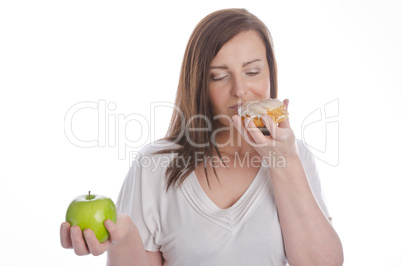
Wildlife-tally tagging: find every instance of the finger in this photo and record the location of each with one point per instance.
(111, 227)
(95, 248)
(286, 102)
(236, 119)
(286, 122)
(270, 125)
(256, 134)
(77, 240)
(242, 129)
(120, 229)
(65, 239)
(277, 133)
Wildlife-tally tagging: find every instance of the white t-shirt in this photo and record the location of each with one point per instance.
(189, 229)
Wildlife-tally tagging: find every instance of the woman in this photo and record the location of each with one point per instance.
(216, 191)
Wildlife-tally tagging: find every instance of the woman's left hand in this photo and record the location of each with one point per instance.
(281, 142)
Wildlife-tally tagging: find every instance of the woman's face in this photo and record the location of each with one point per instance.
(238, 73)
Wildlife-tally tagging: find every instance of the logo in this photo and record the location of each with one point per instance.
(320, 133)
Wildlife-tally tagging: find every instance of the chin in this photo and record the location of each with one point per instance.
(225, 121)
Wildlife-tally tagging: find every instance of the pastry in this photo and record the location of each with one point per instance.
(254, 109)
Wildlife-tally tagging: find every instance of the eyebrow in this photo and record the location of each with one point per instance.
(245, 64)
(249, 62)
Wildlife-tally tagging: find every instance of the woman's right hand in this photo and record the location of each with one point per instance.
(73, 238)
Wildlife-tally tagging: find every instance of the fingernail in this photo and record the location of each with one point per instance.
(107, 222)
(63, 227)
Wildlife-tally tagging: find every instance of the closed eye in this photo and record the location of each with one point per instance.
(218, 77)
(252, 73)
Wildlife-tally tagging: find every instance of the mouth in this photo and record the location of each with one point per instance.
(236, 106)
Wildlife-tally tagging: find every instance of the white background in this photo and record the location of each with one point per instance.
(56, 54)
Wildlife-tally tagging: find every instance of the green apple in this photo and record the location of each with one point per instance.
(91, 211)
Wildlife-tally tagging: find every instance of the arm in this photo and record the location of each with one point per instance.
(133, 195)
(124, 246)
(155, 258)
(308, 236)
(132, 253)
(129, 250)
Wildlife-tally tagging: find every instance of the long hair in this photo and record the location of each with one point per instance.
(192, 107)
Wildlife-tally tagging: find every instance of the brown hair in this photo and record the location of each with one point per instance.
(192, 104)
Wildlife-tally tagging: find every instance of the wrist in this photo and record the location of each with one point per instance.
(290, 164)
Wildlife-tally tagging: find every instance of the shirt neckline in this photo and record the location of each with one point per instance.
(230, 217)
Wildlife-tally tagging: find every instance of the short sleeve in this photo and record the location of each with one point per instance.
(311, 171)
(137, 199)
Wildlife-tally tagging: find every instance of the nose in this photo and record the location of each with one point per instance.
(239, 87)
